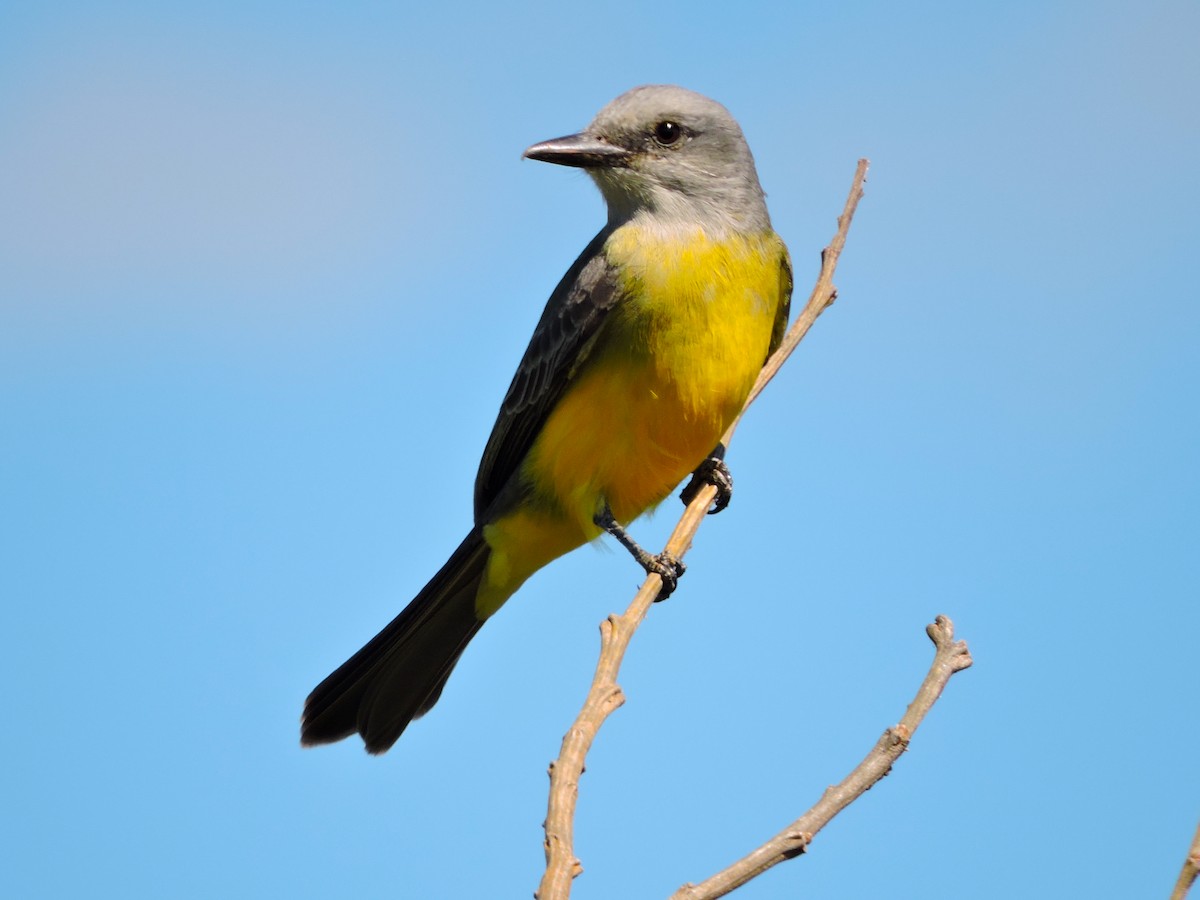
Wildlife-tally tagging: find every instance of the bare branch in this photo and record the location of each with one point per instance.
(950, 656)
(605, 695)
(823, 294)
(1191, 868)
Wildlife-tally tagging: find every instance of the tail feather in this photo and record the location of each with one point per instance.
(400, 673)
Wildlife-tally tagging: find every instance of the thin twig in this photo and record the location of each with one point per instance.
(951, 656)
(605, 695)
(823, 294)
(1191, 868)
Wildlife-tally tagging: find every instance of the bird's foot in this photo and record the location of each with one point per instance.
(712, 471)
(669, 568)
(665, 565)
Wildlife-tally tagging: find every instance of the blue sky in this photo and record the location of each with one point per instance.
(265, 271)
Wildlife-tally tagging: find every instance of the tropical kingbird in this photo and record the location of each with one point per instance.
(643, 356)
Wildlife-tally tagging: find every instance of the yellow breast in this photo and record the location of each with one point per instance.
(671, 370)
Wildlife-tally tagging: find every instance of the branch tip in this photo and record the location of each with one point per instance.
(941, 631)
(874, 767)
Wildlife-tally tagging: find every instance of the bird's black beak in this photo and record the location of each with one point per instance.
(582, 150)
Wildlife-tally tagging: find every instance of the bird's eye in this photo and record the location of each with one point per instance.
(667, 132)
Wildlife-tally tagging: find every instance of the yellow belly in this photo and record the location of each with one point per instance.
(671, 370)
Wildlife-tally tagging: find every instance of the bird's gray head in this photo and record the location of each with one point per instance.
(669, 156)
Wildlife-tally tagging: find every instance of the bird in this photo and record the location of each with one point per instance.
(644, 354)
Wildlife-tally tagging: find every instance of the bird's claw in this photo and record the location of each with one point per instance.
(712, 471)
(669, 568)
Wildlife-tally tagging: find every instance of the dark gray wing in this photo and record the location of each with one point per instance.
(785, 304)
(560, 342)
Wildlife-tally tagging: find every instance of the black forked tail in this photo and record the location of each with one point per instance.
(400, 673)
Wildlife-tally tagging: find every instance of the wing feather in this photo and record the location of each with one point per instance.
(563, 336)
